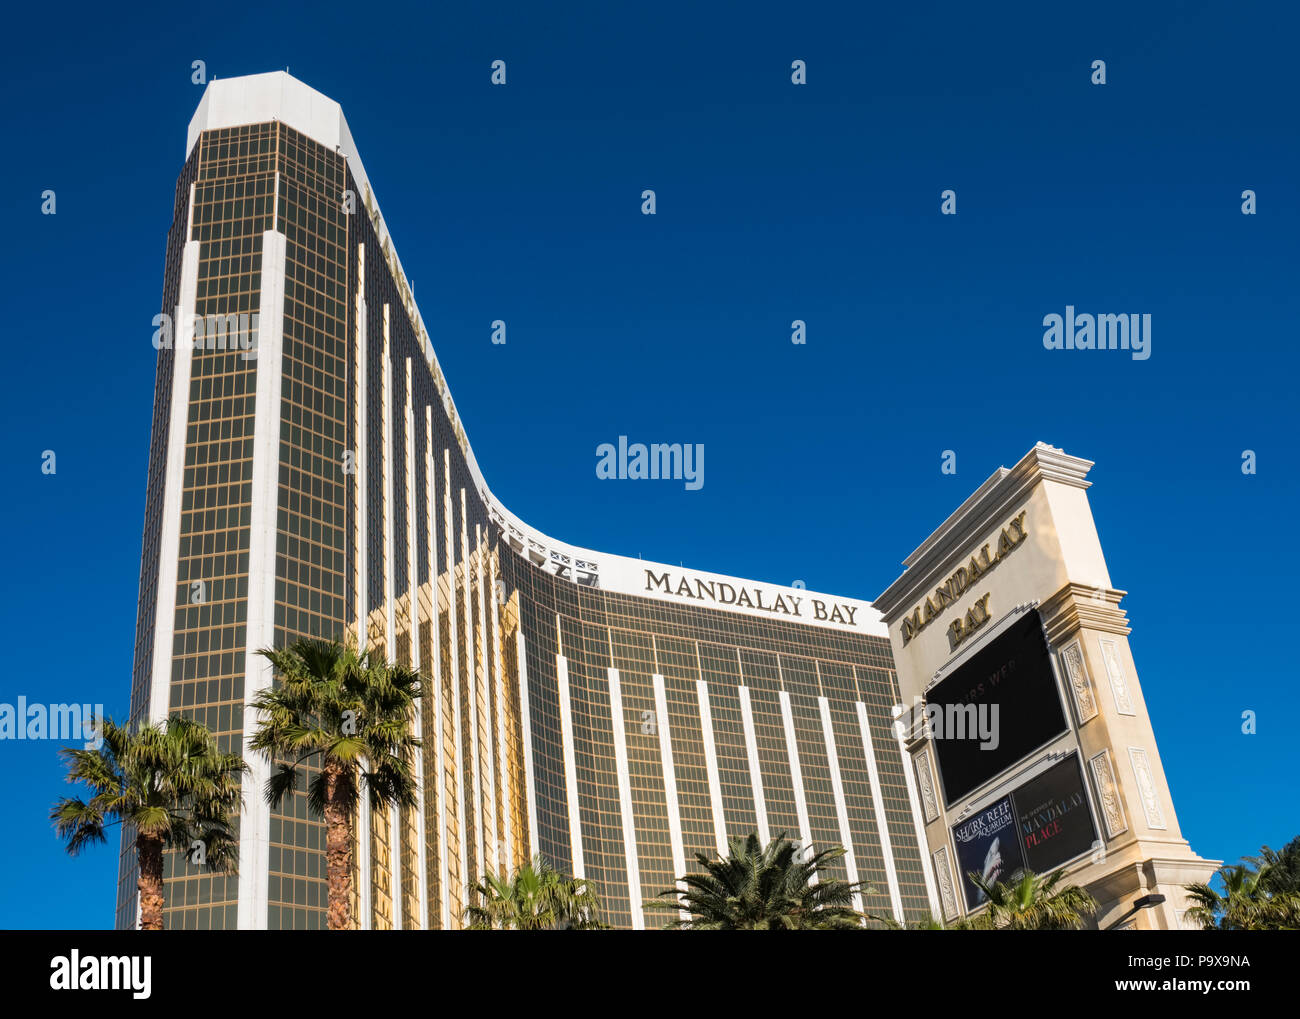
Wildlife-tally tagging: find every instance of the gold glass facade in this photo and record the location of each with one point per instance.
(651, 643)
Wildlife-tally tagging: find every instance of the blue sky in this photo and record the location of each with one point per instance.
(775, 203)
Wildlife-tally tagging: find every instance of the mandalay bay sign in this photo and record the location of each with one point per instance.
(947, 593)
(752, 597)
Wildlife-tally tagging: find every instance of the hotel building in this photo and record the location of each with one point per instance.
(309, 476)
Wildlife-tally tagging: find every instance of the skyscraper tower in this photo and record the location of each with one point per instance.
(309, 476)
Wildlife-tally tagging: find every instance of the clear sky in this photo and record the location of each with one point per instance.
(774, 203)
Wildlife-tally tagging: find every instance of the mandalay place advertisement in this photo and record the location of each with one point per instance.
(1041, 825)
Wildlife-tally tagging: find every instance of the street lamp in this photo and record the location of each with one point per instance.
(1146, 902)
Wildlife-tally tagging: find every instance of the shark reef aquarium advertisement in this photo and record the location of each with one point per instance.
(1041, 825)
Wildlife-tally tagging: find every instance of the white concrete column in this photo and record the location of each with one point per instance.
(365, 901)
(364, 875)
(361, 488)
(386, 433)
(255, 822)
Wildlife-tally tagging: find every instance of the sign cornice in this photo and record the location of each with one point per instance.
(1005, 488)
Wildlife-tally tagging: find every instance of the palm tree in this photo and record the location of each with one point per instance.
(351, 715)
(167, 783)
(1247, 902)
(1283, 875)
(536, 898)
(763, 888)
(1032, 903)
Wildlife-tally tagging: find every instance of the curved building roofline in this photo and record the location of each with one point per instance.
(277, 96)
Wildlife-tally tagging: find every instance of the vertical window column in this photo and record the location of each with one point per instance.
(474, 821)
(526, 721)
(483, 698)
(570, 766)
(751, 751)
(711, 763)
(506, 800)
(255, 823)
(796, 775)
(627, 824)
(878, 803)
(435, 667)
(931, 892)
(393, 862)
(841, 807)
(454, 678)
(670, 780)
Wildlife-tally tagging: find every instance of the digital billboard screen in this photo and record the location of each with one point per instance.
(994, 709)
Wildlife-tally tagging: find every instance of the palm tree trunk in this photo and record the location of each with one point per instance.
(149, 860)
(338, 851)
